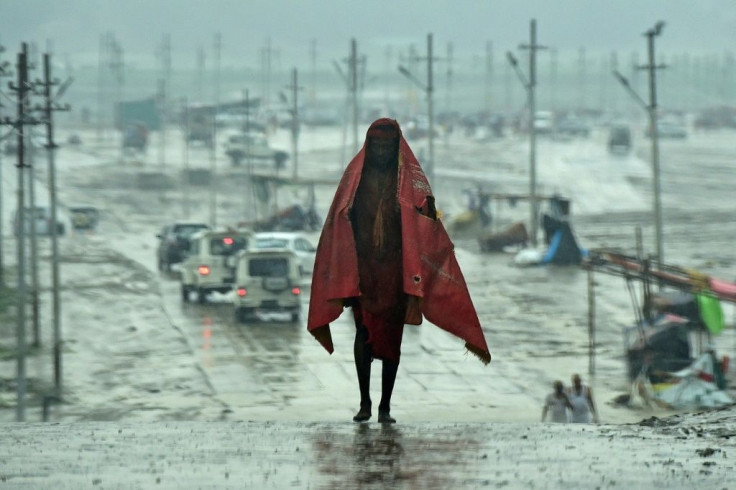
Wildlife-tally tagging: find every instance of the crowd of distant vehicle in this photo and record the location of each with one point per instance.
(258, 272)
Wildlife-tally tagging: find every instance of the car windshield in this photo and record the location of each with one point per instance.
(227, 245)
(268, 267)
(271, 243)
(37, 212)
(188, 230)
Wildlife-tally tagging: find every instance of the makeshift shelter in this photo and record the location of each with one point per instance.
(515, 234)
(700, 385)
(659, 348)
(562, 247)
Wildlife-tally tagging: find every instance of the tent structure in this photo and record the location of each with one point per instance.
(658, 348)
(562, 248)
(659, 360)
(700, 385)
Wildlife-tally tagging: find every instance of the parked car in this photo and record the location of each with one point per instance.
(200, 128)
(619, 139)
(267, 280)
(668, 129)
(572, 126)
(296, 242)
(84, 217)
(135, 138)
(544, 122)
(210, 264)
(174, 243)
(40, 216)
(244, 146)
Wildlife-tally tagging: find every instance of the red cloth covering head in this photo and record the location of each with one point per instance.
(388, 130)
(432, 278)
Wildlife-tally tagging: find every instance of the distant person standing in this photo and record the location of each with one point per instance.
(557, 404)
(581, 398)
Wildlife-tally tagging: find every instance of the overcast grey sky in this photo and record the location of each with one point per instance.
(74, 26)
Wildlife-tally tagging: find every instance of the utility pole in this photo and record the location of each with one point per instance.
(351, 80)
(553, 79)
(651, 109)
(294, 123)
(165, 58)
(185, 149)
(117, 68)
(116, 65)
(213, 148)
(101, 83)
(3, 73)
(387, 87)
(33, 232)
(533, 47)
(267, 53)
(489, 76)
(448, 94)
(430, 108)
(22, 90)
(313, 88)
(201, 64)
(582, 79)
(508, 95)
(49, 108)
(253, 208)
(429, 90)
(654, 131)
(613, 102)
(353, 64)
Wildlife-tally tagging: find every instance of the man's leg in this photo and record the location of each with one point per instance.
(388, 377)
(363, 358)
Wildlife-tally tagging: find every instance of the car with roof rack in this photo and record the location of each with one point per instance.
(210, 265)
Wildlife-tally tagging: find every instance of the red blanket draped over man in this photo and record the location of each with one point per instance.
(432, 279)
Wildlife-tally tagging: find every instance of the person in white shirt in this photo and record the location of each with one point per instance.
(557, 404)
(581, 398)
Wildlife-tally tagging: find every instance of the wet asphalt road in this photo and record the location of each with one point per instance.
(285, 404)
(173, 455)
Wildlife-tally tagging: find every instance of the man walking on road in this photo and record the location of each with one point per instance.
(581, 398)
(384, 252)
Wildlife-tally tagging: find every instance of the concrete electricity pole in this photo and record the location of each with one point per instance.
(353, 65)
(50, 107)
(294, 123)
(429, 90)
(3, 73)
(22, 91)
(351, 80)
(213, 148)
(654, 131)
(651, 109)
(530, 85)
(165, 58)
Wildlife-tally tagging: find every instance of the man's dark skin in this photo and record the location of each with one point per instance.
(376, 221)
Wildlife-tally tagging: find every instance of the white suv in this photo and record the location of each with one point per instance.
(210, 263)
(294, 241)
(267, 280)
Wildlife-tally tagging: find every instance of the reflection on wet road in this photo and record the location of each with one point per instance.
(252, 365)
(390, 456)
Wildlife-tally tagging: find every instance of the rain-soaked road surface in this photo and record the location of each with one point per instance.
(263, 405)
(209, 455)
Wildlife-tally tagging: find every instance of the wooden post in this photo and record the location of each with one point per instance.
(591, 323)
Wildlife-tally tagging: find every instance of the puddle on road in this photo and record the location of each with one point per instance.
(387, 455)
